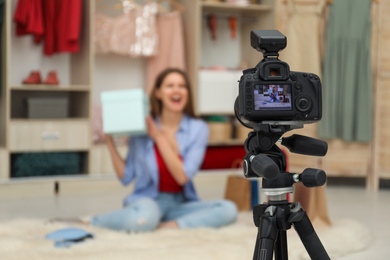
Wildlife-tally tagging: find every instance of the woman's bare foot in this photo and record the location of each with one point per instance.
(170, 224)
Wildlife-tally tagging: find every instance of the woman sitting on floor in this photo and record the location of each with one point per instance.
(163, 163)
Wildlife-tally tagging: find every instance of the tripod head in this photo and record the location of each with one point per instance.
(265, 159)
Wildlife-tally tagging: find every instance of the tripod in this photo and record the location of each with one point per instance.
(275, 217)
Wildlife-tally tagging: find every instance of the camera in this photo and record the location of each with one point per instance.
(273, 100)
(271, 92)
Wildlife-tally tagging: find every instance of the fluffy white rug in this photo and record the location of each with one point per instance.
(24, 239)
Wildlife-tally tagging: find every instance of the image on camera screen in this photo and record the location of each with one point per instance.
(272, 97)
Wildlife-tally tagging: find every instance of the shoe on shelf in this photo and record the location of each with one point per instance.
(33, 78)
(52, 78)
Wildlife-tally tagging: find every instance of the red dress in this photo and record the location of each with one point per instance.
(67, 25)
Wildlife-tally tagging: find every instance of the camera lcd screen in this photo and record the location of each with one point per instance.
(272, 97)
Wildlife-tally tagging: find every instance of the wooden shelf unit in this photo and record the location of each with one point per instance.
(20, 134)
(262, 17)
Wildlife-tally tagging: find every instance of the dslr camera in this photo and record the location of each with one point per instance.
(271, 92)
(273, 100)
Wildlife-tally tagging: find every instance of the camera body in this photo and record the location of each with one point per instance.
(271, 92)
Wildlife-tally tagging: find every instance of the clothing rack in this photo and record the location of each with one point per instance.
(302, 2)
(137, 4)
(174, 4)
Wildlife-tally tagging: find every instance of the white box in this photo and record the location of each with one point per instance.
(217, 91)
(124, 112)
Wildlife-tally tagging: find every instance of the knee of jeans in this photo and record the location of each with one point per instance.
(145, 215)
(229, 209)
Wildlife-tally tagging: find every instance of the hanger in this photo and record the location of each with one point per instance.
(119, 6)
(331, 1)
(160, 7)
(174, 4)
(310, 2)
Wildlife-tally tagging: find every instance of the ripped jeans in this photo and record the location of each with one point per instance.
(146, 214)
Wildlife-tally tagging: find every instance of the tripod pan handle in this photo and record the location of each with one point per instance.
(264, 166)
(311, 177)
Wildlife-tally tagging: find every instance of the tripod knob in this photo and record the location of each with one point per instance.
(311, 177)
(260, 166)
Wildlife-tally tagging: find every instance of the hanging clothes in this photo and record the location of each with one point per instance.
(57, 22)
(171, 51)
(49, 8)
(103, 30)
(304, 36)
(302, 23)
(131, 34)
(67, 25)
(29, 18)
(347, 80)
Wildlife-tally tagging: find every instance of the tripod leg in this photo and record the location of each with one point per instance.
(281, 252)
(257, 246)
(266, 235)
(306, 233)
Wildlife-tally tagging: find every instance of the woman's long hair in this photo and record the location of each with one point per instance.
(156, 105)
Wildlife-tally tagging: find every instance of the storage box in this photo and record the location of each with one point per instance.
(53, 107)
(220, 86)
(124, 112)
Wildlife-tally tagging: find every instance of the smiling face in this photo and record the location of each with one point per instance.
(173, 93)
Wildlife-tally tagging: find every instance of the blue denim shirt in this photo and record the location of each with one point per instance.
(192, 137)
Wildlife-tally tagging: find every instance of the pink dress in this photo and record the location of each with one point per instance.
(171, 52)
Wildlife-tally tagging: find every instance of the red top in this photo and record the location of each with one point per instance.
(167, 182)
(67, 26)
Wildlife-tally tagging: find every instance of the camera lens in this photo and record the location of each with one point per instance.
(303, 104)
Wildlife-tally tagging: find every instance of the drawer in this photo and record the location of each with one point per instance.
(45, 135)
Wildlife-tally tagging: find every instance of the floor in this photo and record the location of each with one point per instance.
(345, 200)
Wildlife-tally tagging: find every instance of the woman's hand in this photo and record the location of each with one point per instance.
(155, 133)
(152, 128)
(108, 139)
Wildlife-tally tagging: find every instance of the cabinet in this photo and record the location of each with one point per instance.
(21, 133)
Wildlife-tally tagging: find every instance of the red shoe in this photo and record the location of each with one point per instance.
(52, 78)
(33, 78)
